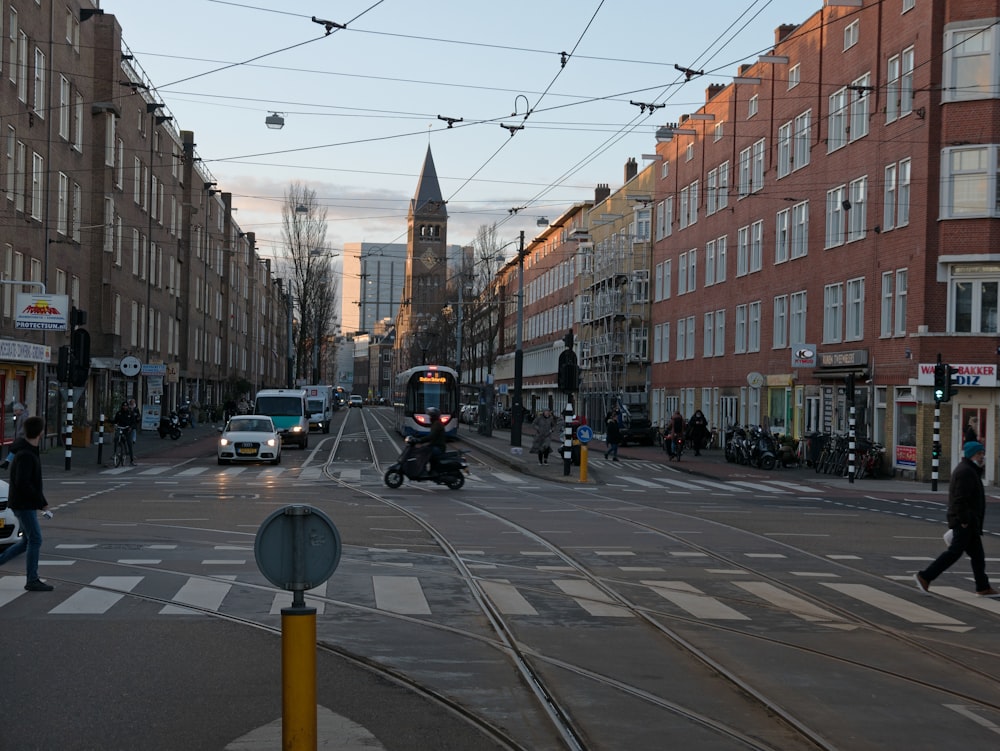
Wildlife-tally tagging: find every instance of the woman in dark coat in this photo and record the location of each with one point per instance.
(698, 431)
(614, 435)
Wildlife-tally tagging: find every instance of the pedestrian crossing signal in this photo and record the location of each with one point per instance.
(941, 391)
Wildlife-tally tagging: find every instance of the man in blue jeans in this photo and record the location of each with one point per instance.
(26, 498)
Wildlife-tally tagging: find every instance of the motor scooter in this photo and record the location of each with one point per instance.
(184, 415)
(170, 426)
(450, 468)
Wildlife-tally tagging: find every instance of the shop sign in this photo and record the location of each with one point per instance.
(42, 312)
(804, 356)
(13, 351)
(851, 358)
(969, 374)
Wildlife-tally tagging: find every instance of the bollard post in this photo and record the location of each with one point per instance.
(567, 438)
(69, 428)
(100, 440)
(298, 676)
(583, 462)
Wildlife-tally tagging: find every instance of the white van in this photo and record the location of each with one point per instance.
(287, 408)
(319, 400)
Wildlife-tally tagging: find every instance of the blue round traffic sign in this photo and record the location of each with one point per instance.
(585, 434)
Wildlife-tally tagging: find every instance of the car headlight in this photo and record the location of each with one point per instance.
(297, 429)
(271, 442)
(223, 441)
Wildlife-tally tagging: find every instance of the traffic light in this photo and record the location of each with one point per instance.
(568, 378)
(942, 392)
(849, 386)
(936, 450)
(63, 365)
(80, 366)
(951, 383)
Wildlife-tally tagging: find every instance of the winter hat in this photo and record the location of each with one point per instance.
(972, 448)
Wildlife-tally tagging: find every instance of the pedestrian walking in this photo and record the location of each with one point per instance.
(971, 430)
(545, 426)
(20, 415)
(26, 498)
(966, 511)
(613, 435)
(136, 419)
(697, 430)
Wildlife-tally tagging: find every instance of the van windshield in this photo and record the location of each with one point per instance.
(315, 405)
(279, 406)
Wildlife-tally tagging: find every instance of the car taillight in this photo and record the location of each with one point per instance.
(445, 419)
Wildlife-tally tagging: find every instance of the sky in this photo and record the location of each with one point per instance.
(363, 103)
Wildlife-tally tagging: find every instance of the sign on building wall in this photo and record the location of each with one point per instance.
(37, 312)
(969, 374)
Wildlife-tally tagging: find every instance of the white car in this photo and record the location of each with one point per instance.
(10, 527)
(357, 401)
(249, 438)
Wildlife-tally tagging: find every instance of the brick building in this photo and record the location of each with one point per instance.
(834, 211)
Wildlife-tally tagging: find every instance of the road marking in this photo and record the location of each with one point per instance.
(192, 471)
(759, 486)
(506, 597)
(694, 601)
(797, 606)
(201, 593)
(893, 605)
(591, 599)
(11, 587)
(91, 601)
(640, 482)
(400, 594)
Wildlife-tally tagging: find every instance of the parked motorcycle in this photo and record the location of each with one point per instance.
(737, 446)
(184, 415)
(763, 448)
(449, 470)
(170, 426)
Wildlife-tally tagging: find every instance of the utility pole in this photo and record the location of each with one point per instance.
(517, 411)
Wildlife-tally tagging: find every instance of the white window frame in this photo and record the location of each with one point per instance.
(797, 316)
(861, 97)
(756, 246)
(977, 184)
(902, 289)
(794, 75)
(836, 136)
(889, 197)
(753, 326)
(740, 344)
(782, 235)
(833, 313)
(784, 147)
(975, 42)
(835, 234)
(888, 301)
(802, 137)
(800, 230)
(857, 216)
(720, 258)
(752, 106)
(720, 333)
(854, 310)
(851, 34)
(743, 251)
(779, 334)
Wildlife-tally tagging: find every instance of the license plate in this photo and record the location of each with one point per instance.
(250, 451)
(2, 522)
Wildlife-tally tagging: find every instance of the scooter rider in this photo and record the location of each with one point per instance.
(436, 438)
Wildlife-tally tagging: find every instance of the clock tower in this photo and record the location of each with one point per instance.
(425, 285)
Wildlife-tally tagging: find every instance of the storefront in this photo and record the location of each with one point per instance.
(20, 363)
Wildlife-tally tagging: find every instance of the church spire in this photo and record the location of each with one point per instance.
(428, 190)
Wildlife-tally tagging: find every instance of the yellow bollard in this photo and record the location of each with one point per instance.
(298, 679)
(583, 462)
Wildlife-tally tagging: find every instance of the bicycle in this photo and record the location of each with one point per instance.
(118, 456)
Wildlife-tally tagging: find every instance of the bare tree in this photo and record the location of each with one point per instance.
(312, 281)
(482, 315)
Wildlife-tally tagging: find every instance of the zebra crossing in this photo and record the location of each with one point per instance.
(716, 598)
(628, 475)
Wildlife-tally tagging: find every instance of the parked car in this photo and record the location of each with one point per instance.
(250, 438)
(637, 428)
(10, 527)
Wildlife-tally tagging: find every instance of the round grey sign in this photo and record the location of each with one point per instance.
(130, 366)
(297, 548)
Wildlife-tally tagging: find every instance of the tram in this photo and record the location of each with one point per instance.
(422, 387)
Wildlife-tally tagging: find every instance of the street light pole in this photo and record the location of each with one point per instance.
(517, 412)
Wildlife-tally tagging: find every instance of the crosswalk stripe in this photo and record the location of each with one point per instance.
(694, 601)
(640, 482)
(591, 599)
(504, 477)
(351, 474)
(202, 593)
(679, 483)
(780, 598)
(796, 487)
(759, 486)
(90, 601)
(506, 597)
(11, 587)
(969, 598)
(893, 605)
(400, 594)
(192, 471)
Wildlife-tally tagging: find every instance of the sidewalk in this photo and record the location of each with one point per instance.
(711, 464)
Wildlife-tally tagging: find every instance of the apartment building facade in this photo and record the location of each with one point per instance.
(832, 212)
(107, 203)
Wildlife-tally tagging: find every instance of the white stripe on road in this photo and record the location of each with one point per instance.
(400, 594)
(506, 597)
(591, 599)
(96, 601)
(694, 601)
(797, 606)
(201, 593)
(893, 605)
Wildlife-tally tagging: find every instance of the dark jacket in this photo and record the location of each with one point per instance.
(698, 428)
(124, 418)
(436, 438)
(25, 490)
(614, 432)
(966, 498)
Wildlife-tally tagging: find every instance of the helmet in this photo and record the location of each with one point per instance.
(433, 412)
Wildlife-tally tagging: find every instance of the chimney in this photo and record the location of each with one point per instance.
(712, 90)
(745, 67)
(601, 192)
(782, 32)
(631, 168)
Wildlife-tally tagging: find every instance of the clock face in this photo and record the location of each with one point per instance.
(430, 260)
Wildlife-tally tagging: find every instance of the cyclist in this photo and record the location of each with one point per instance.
(124, 423)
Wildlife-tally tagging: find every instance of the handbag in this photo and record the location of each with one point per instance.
(949, 536)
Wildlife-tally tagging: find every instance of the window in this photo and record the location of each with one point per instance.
(797, 318)
(889, 198)
(800, 156)
(12, 38)
(746, 155)
(664, 218)
(899, 88)
(756, 246)
(717, 132)
(779, 337)
(688, 205)
(851, 32)
(794, 75)
(710, 263)
(752, 106)
(682, 339)
(711, 186)
(833, 313)
(37, 185)
(78, 123)
(800, 229)
(903, 198)
(62, 206)
(888, 303)
(854, 329)
(11, 166)
(784, 165)
(682, 275)
(22, 66)
(836, 136)
(861, 97)
(742, 251)
(692, 284)
(781, 235)
(689, 152)
(970, 62)
(973, 291)
(708, 346)
(720, 333)
(720, 259)
(722, 195)
(901, 289)
(969, 181)
(753, 327)
(758, 166)
(909, 5)
(740, 346)
(38, 101)
(690, 338)
(835, 216)
(857, 215)
(75, 212)
(72, 30)
(64, 108)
